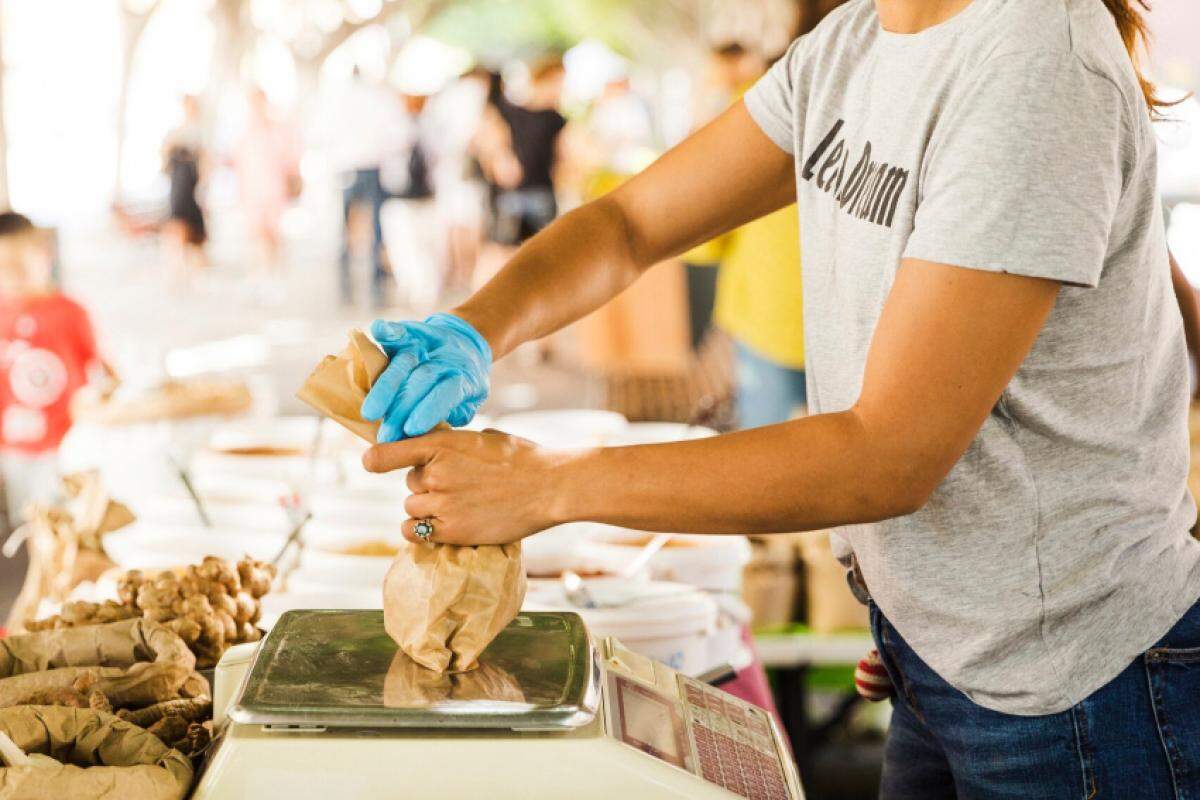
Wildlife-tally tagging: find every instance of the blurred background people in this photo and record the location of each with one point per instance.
(759, 304)
(455, 114)
(184, 162)
(732, 69)
(360, 130)
(520, 149)
(413, 233)
(266, 159)
(47, 350)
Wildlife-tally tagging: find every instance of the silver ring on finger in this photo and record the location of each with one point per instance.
(423, 530)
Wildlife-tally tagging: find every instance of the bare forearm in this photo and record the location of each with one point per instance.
(1185, 295)
(568, 270)
(808, 474)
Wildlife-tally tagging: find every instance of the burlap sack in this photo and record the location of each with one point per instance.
(442, 604)
(135, 662)
(410, 685)
(338, 385)
(104, 758)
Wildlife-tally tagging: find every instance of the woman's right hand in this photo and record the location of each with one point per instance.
(438, 372)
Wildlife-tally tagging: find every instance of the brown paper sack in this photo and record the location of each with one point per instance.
(409, 685)
(134, 662)
(338, 385)
(442, 604)
(104, 757)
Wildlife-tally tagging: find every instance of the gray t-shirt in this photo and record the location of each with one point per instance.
(1011, 138)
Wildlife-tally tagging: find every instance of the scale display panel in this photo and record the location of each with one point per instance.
(712, 734)
(327, 668)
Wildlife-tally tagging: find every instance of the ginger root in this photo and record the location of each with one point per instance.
(190, 709)
(211, 605)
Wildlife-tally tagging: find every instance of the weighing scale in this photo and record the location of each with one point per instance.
(326, 706)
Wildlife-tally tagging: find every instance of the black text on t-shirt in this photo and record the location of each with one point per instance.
(872, 189)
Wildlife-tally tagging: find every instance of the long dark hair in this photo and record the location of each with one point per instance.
(1136, 36)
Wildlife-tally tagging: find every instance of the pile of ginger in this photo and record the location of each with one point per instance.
(211, 605)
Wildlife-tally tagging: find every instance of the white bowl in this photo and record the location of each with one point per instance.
(323, 561)
(147, 545)
(274, 604)
(714, 563)
(565, 429)
(293, 433)
(179, 511)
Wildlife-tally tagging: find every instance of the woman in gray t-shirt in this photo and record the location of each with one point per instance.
(997, 375)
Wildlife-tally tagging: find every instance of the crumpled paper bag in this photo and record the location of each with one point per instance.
(93, 510)
(339, 384)
(134, 662)
(444, 604)
(64, 544)
(131, 763)
(410, 685)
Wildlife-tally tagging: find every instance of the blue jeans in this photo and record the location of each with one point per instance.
(1136, 737)
(363, 186)
(767, 393)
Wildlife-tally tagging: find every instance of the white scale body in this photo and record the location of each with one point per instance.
(325, 707)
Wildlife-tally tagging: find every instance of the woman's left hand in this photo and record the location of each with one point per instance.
(476, 488)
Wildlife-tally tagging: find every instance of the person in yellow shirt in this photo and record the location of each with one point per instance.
(759, 304)
(732, 70)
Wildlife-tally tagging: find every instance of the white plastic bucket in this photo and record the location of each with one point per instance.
(668, 622)
(565, 429)
(714, 563)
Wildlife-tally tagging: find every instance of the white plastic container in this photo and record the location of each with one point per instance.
(713, 563)
(668, 622)
(549, 553)
(147, 545)
(172, 510)
(325, 562)
(565, 429)
(379, 507)
(274, 449)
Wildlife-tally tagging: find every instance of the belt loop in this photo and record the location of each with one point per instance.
(856, 582)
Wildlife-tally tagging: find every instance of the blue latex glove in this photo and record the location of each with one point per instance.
(438, 371)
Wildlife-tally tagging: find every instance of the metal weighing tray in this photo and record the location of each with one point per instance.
(340, 669)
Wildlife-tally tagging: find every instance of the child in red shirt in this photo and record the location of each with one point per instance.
(46, 351)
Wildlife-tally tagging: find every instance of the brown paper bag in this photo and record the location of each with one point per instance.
(105, 757)
(443, 604)
(409, 685)
(134, 662)
(338, 385)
